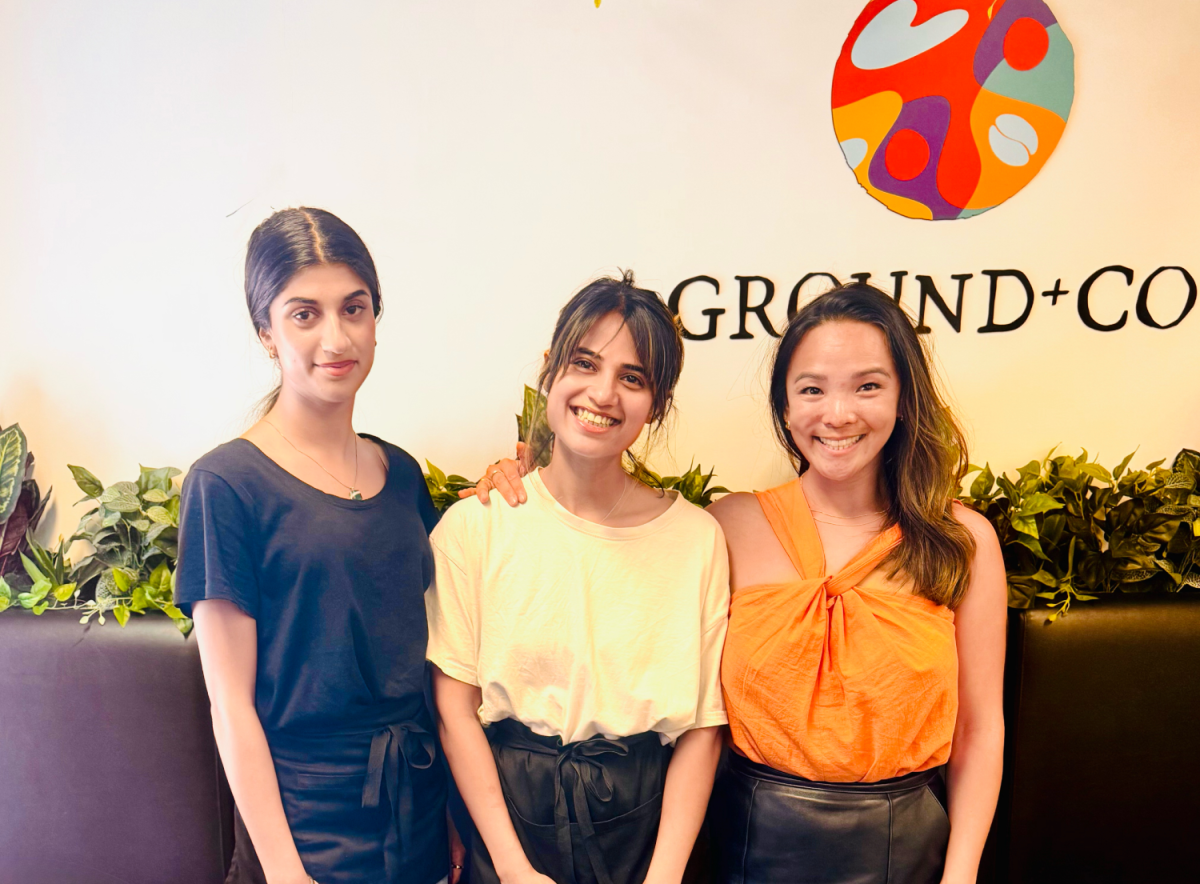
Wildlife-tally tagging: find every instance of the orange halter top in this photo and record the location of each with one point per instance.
(829, 680)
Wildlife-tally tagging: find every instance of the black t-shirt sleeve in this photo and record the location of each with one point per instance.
(215, 559)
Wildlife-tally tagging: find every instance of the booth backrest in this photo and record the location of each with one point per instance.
(108, 767)
(1102, 768)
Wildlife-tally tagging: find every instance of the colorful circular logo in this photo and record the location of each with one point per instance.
(946, 108)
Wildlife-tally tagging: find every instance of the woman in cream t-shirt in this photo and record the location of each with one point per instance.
(577, 639)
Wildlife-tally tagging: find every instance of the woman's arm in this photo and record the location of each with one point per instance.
(685, 799)
(976, 759)
(474, 770)
(228, 652)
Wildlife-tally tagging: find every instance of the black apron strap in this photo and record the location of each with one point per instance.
(405, 740)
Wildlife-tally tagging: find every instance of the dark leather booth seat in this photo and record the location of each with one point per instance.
(1102, 767)
(108, 768)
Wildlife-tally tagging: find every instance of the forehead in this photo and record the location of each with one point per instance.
(321, 283)
(842, 347)
(609, 336)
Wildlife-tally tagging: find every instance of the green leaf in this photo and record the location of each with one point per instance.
(1123, 464)
(140, 600)
(110, 519)
(122, 497)
(88, 483)
(121, 612)
(64, 591)
(32, 570)
(1035, 504)
(5, 595)
(143, 525)
(121, 579)
(14, 454)
(983, 483)
(184, 625)
(156, 478)
(40, 609)
(439, 478)
(156, 495)
(160, 515)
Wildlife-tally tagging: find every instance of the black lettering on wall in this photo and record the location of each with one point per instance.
(1085, 292)
(898, 275)
(794, 297)
(861, 278)
(929, 293)
(994, 276)
(711, 312)
(759, 310)
(1143, 301)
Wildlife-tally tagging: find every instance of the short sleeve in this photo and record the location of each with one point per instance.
(215, 554)
(451, 603)
(710, 709)
(429, 513)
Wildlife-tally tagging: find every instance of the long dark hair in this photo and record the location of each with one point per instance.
(925, 458)
(656, 337)
(286, 243)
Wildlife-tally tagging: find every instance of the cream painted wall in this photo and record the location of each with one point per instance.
(497, 154)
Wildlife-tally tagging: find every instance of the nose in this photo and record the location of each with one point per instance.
(839, 413)
(603, 390)
(334, 339)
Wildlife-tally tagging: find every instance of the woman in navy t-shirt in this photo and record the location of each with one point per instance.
(304, 557)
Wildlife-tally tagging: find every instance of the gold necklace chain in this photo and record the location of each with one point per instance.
(355, 494)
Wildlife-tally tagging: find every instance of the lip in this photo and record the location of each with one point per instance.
(338, 369)
(589, 428)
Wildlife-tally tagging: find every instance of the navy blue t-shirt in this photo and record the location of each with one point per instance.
(335, 586)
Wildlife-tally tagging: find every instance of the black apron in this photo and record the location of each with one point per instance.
(585, 812)
(362, 807)
(769, 827)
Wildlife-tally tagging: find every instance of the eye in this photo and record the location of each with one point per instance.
(355, 309)
(583, 363)
(634, 380)
(303, 315)
(810, 391)
(870, 385)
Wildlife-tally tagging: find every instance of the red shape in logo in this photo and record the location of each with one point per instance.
(1025, 44)
(907, 155)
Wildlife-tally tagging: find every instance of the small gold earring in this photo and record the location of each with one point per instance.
(787, 425)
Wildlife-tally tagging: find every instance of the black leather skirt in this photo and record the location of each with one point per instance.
(769, 827)
(585, 812)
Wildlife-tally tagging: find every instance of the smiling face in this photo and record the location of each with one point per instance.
(842, 397)
(323, 332)
(598, 404)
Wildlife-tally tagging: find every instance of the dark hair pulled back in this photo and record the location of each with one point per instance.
(925, 458)
(286, 243)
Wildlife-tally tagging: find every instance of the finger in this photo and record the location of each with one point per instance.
(510, 492)
(524, 457)
(510, 473)
(482, 487)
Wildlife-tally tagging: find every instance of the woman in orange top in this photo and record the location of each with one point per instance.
(864, 659)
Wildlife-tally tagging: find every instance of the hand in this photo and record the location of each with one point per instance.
(458, 853)
(505, 478)
(528, 876)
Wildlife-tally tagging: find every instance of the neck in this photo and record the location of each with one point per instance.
(847, 498)
(587, 487)
(313, 426)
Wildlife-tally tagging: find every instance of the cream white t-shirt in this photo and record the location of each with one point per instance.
(576, 629)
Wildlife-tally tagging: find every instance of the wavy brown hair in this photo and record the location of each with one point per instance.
(925, 458)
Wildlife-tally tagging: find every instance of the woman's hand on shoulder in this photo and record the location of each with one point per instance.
(505, 478)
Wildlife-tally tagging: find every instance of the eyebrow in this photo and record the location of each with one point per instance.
(628, 365)
(813, 376)
(313, 302)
